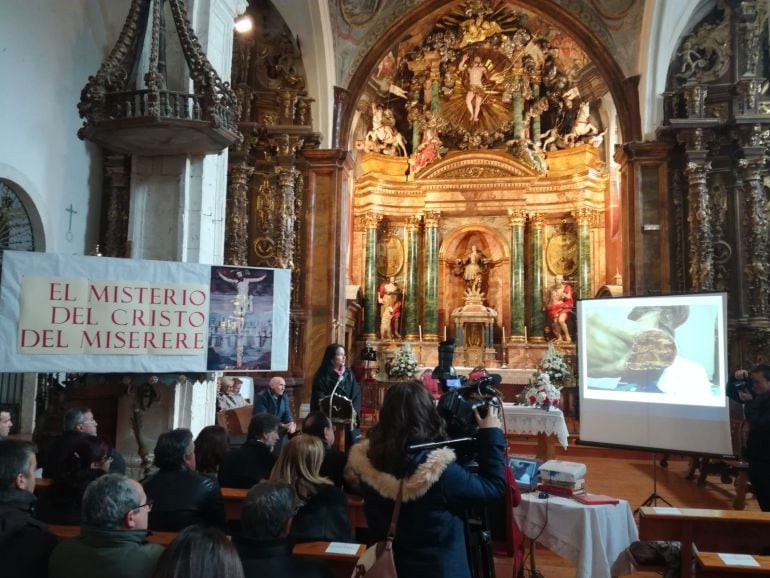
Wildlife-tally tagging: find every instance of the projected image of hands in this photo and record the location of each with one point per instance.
(661, 349)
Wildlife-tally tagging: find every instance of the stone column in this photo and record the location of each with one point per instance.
(411, 279)
(371, 222)
(517, 219)
(584, 218)
(757, 253)
(237, 234)
(701, 237)
(430, 279)
(537, 322)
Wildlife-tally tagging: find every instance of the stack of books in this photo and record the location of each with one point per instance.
(565, 489)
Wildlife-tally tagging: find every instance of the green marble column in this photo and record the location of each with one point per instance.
(584, 218)
(517, 218)
(434, 95)
(411, 278)
(371, 221)
(430, 280)
(416, 128)
(537, 323)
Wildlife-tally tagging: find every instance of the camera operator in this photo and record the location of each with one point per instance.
(752, 388)
(430, 537)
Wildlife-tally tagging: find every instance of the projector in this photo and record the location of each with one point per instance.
(560, 471)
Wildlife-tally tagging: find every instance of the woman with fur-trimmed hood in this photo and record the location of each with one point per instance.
(430, 538)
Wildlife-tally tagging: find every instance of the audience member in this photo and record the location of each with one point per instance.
(323, 508)
(78, 422)
(252, 462)
(273, 400)
(211, 446)
(89, 458)
(319, 425)
(181, 495)
(430, 541)
(5, 423)
(113, 535)
(25, 543)
(264, 546)
(200, 552)
(227, 397)
(756, 398)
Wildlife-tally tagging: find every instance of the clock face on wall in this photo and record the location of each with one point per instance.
(561, 254)
(15, 225)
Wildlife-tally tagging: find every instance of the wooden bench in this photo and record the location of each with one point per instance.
(710, 565)
(712, 530)
(341, 564)
(162, 538)
(234, 502)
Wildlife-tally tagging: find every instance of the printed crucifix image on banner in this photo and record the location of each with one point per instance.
(241, 332)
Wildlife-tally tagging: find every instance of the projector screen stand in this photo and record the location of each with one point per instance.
(652, 499)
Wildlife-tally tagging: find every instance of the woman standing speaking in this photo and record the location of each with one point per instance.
(334, 376)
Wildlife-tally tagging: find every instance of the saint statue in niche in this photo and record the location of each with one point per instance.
(473, 266)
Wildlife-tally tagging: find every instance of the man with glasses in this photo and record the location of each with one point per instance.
(113, 534)
(78, 422)
(25, 543)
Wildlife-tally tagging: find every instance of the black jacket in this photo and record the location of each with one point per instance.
(323, 518)
(263, 558)
(246, 466)
(53, 458)
(61, 503)
(181, 498)
(25, 543)
(758, 442)
(333, 466)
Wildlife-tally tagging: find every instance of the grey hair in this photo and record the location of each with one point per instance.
(107, 500)
(15, 457)
(74, 417)
(266, 509)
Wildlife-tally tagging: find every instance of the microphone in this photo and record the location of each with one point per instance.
(331, 397)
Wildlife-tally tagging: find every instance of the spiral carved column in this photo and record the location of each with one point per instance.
(701, 235)
(757, 254)
(236, 232)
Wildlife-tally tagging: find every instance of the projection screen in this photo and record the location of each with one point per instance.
(653, 372)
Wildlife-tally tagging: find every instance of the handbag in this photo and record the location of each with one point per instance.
(377, 561)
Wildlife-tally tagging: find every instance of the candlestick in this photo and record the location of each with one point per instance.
(525, 334)
(444, 332)
(503, 335)
(419, 330)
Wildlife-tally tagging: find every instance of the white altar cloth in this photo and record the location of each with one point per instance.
(596, 538)
(523, 419)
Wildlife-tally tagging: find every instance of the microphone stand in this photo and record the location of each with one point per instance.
(331, 397)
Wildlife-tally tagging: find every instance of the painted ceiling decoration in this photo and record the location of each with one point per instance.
(484, 75)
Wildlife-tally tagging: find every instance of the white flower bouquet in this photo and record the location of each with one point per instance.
(404, 364)
(541, 392)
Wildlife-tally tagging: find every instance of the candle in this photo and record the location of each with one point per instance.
(444, 332)
(419, 330)
(525, 334)
(503, 335)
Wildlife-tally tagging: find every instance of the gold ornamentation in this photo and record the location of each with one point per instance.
(390, 256)
(372, 220)
(432, 219)
(517, 217)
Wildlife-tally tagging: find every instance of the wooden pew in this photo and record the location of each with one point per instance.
(712, 530)
(233, 502)
(710, 565)
(341, 564)
(61, 532)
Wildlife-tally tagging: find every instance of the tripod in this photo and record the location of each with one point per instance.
(652, 499)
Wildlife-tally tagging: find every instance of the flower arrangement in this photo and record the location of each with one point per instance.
(404, 364)
(541, 392)
(554, 364)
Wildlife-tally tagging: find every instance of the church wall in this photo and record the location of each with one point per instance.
(47, 51)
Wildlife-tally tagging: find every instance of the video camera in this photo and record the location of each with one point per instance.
(461, 397)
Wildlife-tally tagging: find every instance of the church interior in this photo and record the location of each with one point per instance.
(428, 171)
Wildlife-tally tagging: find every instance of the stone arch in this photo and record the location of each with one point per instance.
(24, 190)
(624, 91)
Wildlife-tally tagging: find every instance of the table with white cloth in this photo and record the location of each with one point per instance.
(547, 425)
(596, 538)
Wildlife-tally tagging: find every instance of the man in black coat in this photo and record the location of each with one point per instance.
(25, 543)
(251, 463)
(319, 425)
(181, 496)
(263, 546)
(78, 422)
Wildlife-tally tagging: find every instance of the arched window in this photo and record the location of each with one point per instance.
(16, 231)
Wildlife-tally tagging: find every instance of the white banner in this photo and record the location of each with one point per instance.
(97, 314)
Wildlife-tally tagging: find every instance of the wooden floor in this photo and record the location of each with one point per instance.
(629, 475)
